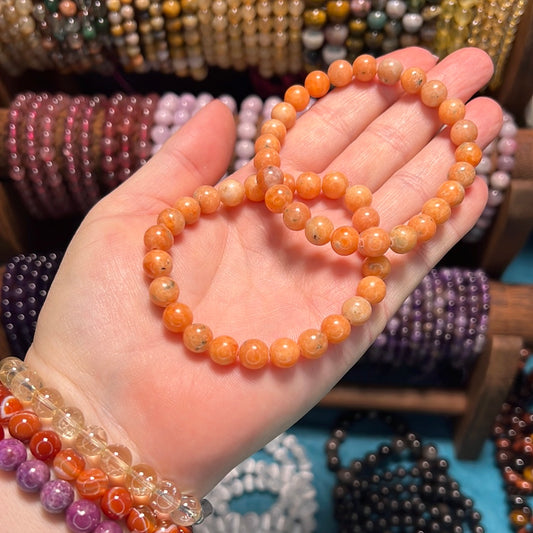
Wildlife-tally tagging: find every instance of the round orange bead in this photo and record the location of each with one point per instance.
(231, 192)
(141, 519)
(254, 192)
(253, 354)
(371, 288)
(340, 73)
(451, 110)
(157, 263)
(267, 140)
(196, 337)
(313, 343)
(23, 425)
(318, 230)
(424, 226)
(189, 208)
(317, 83)
(223, 350)
(92, 483)
(284, 352)
(172, 219)
(364, 218)
(438, 209)
(463, 131)
(412, 79)
(451, 191)
(403, 238)
(376, 266)
(288, 179)
(337, 328)
(268, 176)
(469, 152)
(357, 196)
(373, 242)
(389, 71)
(356, 310)
(308, 185)
(277, 198)
(158, 237)
(334, 185)
(285, 113)
(266, 157)
(298, 96)
(364, 67)
(463, 172)
(295, 215)
(344, 240)
(433, 93)
(116, 503)
(163, 290)
(68, 464)
(274, 127)
(208, 198)
(177, 316)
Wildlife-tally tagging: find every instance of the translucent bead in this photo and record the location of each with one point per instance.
(9, 368)
(141, 481)
(91, 441)
(433, 93)
(166, 497)
(68, 422)
(190, 209)
(25, 384)
(115, 461)
(158, 237)
(157, 263)
(188, 512)
(424, 226)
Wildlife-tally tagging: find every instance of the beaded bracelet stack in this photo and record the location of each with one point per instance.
(512, 434)
(401, 486)
(285, 37)
(496, 167)
(79, 457)
(280, 470)
(276, 189)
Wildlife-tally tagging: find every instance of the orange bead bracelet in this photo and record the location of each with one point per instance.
(287, 196)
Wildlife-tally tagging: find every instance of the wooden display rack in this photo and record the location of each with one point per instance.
(476, 407)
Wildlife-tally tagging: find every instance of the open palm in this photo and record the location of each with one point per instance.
(101, 342)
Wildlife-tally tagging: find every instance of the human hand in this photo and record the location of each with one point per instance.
(102, 344)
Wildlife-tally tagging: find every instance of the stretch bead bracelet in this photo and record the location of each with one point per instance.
(154, 502)
(269, 184)
(282, 470)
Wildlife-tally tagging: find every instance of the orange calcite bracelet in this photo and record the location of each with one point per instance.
(287, 196)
